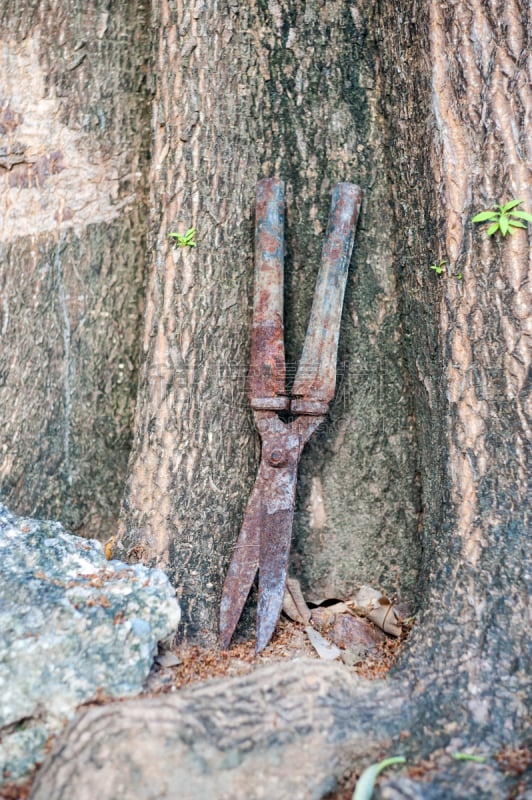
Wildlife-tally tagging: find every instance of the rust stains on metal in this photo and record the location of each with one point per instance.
(267, 367)
(264, 541)
(316, 375)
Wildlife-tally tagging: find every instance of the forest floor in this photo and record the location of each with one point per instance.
(289, 642)
(184, 665)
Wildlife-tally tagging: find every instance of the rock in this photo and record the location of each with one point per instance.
(75, 627)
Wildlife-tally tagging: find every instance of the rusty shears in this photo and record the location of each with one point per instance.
(264, 540)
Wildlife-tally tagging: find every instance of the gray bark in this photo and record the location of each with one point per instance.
(74, 135)
(244, 92)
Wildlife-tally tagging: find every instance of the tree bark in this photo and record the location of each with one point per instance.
(465, 118)
(449, 92)
(244, 92)
(74, 141)
(289, 732)
(218, 743)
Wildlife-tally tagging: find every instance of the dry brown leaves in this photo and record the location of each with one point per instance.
(514, 761)
(17, 791)
(289, 641)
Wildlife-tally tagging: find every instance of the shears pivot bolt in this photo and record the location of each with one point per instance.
(277, 458)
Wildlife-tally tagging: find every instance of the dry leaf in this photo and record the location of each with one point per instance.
(109, 547)
(325, 649)
(294, 605)
(367, 597)
(337, 608)
(321, 618)
(385, 617)
(379, 609)
(168, 659)
(355, 634)
(324, 616)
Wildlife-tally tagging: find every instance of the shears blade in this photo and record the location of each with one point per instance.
(242, 569)
(273, 570)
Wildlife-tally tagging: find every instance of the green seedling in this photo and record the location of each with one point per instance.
(366, 782)
(184, 240)
(503, 218)
(468, 757)
(440, 267)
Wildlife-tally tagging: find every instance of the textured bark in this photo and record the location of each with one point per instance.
(73, 147)
(450, 83)
(243, 92)
(223, 740)
(465, 117)
(288, 732)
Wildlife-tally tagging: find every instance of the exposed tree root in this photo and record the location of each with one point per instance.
(286, 731)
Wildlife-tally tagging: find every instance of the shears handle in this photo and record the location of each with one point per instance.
(266, 379)
(315, 380)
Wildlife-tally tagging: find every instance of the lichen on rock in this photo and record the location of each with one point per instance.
(74, 626)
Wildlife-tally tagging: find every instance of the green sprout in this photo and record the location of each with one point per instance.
(186, 240)
(440, 267)
(468, 757)
(366, 782)
(503, 218)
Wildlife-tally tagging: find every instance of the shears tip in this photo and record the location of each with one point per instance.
(261, 642)
(265, 631)
(267, 618)
(229, 616)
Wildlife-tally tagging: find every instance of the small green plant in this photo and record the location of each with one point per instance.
(439, 267)
(468, 757)
(184, 240)
(504, 219)
(366, 782)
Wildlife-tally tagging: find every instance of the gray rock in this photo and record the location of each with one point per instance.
(73, 626)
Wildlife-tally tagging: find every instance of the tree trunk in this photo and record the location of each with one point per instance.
(74, 143)
(244, 92)
(446, 106)
(464, 118)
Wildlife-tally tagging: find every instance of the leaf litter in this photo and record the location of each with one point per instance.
(349, 630)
